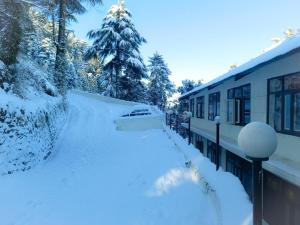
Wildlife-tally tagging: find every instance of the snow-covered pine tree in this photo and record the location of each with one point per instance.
(66, 11)
(159, 87)
(116, 45)
(132, 86)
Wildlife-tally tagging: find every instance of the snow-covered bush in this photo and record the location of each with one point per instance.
(28, 130)
(31, 115)
(32, 80)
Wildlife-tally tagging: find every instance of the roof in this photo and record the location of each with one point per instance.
(280, 50)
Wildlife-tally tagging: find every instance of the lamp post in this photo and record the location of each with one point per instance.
(166, 118)
(188, 115)
(259, 141)
(217, 121)
(170, 112)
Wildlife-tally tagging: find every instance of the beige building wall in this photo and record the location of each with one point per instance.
(288, 145)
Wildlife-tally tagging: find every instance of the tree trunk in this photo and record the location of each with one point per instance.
(60, 49)
(53, 25)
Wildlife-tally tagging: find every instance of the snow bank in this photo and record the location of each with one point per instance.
(140, 117)
(105, 98)
(28, 130)
(228, 188)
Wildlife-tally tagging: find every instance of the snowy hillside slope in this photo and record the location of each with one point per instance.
(31, 116)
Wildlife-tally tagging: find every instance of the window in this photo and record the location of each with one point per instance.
(281, 200)
(239, 105)
(199, 143)
(192, 106)
(240, 168)
(213, 105)
(212, 152)
(200, 107)
(284, 104)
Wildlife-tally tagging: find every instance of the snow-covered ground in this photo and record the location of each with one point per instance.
(98, 175)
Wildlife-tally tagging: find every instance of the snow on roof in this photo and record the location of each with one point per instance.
(280, 49)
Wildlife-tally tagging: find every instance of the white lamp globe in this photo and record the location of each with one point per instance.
(217, 119)
(258, 140)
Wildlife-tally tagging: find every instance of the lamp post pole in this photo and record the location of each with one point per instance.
(177, 122)
(257, 192)
(217, 143)
(189, 130)
(166, 118)
(259, 150)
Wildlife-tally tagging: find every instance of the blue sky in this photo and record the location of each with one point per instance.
(200, 39)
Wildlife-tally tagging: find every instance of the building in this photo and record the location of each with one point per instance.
(267, 89)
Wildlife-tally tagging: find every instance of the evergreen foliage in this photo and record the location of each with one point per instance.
(66, 11)
(10, 30)
(116, 45)
(188, 85)
(160, 87)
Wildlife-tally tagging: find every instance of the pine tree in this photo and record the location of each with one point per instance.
(66, 10)
(160, 87)
(188, 85)
(116, 45)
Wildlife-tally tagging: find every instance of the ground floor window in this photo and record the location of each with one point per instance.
(281, 201)
(240, 168)
(212, 152)
(200, 143)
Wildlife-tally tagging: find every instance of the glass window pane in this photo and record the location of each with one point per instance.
(230, 111)
(275, 85)
(247, 111)
(246, 91)
(292, 82)
(230, 93)
(297, 112)
(271, 110)
(238, 92)
(287, 112)
(275, 111)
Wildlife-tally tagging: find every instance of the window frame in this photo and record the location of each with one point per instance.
(217, 96)
(282, 93)
(192, 106)
(199, 144)
(200, 101)
(240, 101)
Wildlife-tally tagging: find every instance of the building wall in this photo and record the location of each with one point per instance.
(281, 192)
(288, 145)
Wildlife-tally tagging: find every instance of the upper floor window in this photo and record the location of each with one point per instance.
(284, 103)
(200, 107)
(192, 106)
(239, 105)
(213, 105)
